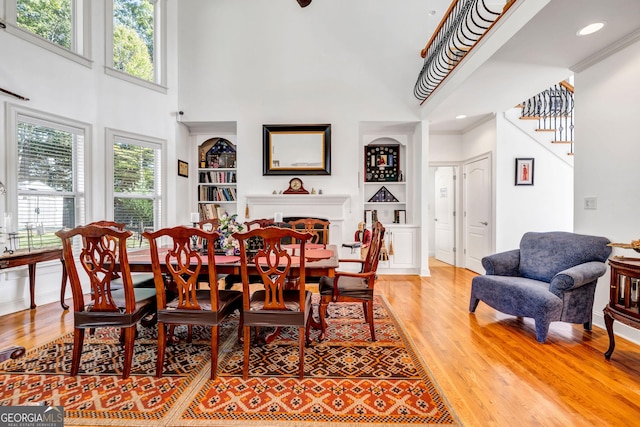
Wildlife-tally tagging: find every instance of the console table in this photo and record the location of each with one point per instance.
(30, 258)
(624, 292)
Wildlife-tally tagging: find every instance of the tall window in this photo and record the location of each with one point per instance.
(50, 19)
(50, 178)
(137, 167)
(62, 26)
(136, 28)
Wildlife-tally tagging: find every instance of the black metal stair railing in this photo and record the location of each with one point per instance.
(553, 109)
(464, 24)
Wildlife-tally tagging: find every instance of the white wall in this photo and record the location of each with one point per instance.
(236, 65)
(547, 205)
(56, 85)
(607, 158)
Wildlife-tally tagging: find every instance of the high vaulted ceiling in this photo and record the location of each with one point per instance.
(533, 49)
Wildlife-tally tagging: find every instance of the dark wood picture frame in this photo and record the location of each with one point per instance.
(524, 171)
(183, 168)
(284, 138)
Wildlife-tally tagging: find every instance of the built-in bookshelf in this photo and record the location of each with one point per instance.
(388, 192)
(217, 178)
(385, 189)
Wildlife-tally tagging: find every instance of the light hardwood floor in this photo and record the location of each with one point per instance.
(489, 365)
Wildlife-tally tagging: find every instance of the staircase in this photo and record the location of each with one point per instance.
(553, 109)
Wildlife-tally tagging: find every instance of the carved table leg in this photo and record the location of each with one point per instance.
(63, 286)
(608, 320)
(32, 284)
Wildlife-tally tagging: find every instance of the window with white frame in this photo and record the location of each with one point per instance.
(135, 32)
(137, 167)
(62, 26)
(49, 163)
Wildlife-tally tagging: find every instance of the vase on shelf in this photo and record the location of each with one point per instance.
(230, 251)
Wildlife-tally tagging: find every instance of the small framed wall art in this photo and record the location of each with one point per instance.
(524, 171)
(183, 168)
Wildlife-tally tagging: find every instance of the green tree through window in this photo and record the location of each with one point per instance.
(50, 19)
(135, 186)
(133, 46)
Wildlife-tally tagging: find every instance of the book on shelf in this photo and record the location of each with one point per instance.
(400, 216)
(208, 211)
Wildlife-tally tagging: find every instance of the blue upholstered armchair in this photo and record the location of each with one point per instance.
(552, 277)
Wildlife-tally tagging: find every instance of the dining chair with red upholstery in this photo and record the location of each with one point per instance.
(274, 306)
(192, 306)
(102, 249)
(354, 287)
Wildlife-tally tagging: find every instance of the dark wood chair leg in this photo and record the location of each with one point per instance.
(78, 341)
(129, 341)
(369, 311)
(215, 344)
(322, 312)
(162, 348)
(301, 343)
(247, 348)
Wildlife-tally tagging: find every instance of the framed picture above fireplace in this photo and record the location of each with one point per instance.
(296, 149)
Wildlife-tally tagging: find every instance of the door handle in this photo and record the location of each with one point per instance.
(484, 223)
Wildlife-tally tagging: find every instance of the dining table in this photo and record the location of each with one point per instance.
(318, 262)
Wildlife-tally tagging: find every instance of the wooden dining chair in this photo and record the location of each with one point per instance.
(192, 306)
(102, 249)
(208, 225)
(354, 287)
(211, 224)
(318, 228)
(251, 245)
(274, 306)
(260, 223)
(139, 280)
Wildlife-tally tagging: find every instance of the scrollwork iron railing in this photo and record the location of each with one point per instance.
(463, 25)
(553, 108)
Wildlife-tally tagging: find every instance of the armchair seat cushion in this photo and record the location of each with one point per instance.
(518, 296)
(353, 287)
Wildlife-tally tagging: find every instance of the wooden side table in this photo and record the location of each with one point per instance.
(30, 258)
(624, 293)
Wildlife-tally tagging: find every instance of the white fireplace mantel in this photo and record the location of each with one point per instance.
(329, 206)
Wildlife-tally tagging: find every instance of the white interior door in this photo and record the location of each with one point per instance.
(444, 214)
(477, 215)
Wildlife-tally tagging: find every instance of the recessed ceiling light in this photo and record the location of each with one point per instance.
(590, 29)
(461, 116)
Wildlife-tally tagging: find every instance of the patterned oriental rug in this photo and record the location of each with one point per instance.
(348, 380)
